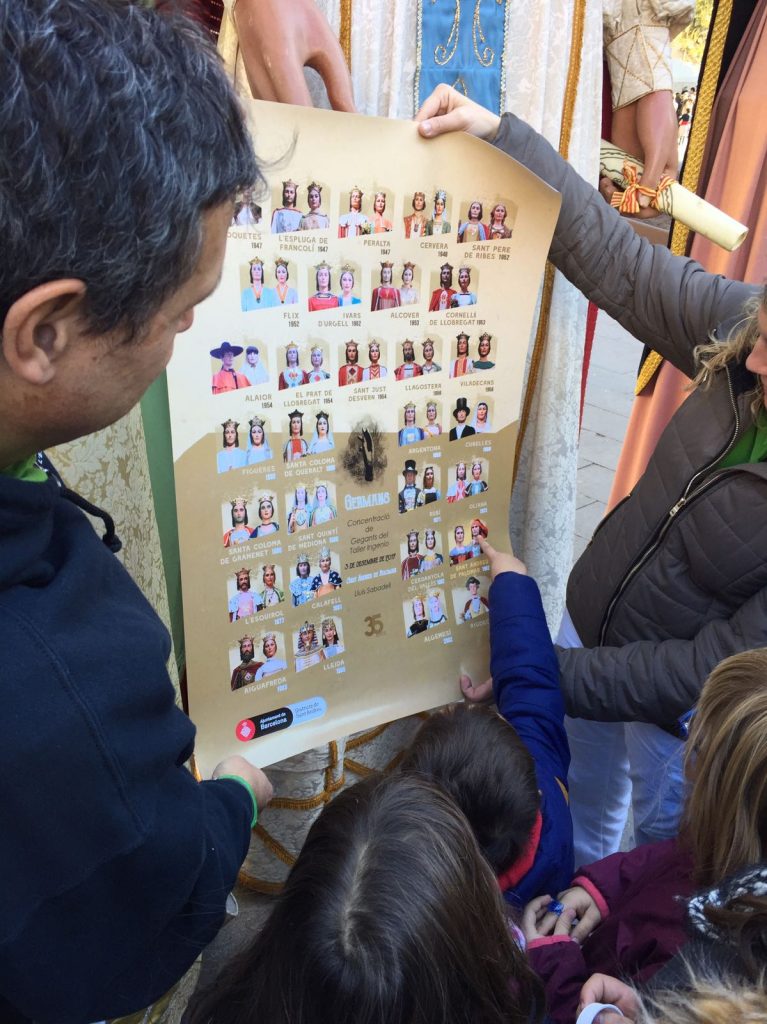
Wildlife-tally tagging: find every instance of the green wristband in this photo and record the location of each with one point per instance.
(247, 785)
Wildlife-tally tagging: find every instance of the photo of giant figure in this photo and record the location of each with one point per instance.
(410, 433)
(256, 295)
(266, 524)
(299, 509)
(430, 491)
(295, 447)
(476, 605)
(287, 217)
(240, 532)
(327, 579)
(354, 222)
(463, 297)
(462, 364)
(460, 415)
(483, 361)
(245, 673)
(227, 378)
(282, 293)
(416, 619)
(308, 649)
(314, 219)
(253, 368)
(442, 296)
(408, 368)
(385, 295)
(438, 225)
(318, 374)
(273, 663)
(259, 449)
(322, 438)
(323, 297)
(431, 557)
(374, 370)
(498, 227)
(231, 455)
(410, 496)
(480, 421)
(415, 222)
(428, 365)
(323, 509)
(435, 609)
(332, 642)
(380, 223)
(245, 601)
(460, 551)
(247, 212)
(432, 427)
(411, 563)
(301, 584)
(476, 484)
(408, 294)
(271, 594)
(346, 281)
(478, 530)
(292, 376)
(472, 229)
(459, 488)
(351, 371)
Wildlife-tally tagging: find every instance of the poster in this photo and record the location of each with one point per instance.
(344, 414)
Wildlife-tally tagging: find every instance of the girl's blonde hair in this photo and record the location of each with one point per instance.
(715, 355)
(725, 817)
(709, 1001)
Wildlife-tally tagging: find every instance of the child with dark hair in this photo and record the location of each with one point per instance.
(507, 770)
(390, 914)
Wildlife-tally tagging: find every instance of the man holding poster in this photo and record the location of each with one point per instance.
(109, 838)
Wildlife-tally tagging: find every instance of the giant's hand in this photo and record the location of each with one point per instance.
(447, 110)
(278, 40)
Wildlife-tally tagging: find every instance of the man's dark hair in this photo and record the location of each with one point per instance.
(119, 130)
(481, 762)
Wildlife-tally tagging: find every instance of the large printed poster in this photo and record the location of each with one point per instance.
(344, 413)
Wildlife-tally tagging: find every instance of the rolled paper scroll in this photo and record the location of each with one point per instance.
(675, 200)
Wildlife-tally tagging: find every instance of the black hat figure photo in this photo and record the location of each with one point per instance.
(461, 405)
(224, 348)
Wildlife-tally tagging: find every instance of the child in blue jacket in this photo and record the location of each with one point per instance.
(507, 771)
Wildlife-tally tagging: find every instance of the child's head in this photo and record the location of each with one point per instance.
(389, 914)
(725, 819)
(479, 759)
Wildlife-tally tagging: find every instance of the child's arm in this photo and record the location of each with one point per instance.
(524, 665)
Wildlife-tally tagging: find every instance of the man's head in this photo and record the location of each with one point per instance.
(446, 275)
(246, 649)
(408, 351)
(239, 512)
(243, 579)
(352, 352)
(123, 147)
(289, 188)
(409, 472)
(480, 761)
(412, 542)
(302, 566)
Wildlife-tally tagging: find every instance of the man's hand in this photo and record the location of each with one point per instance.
(583, 908)
(278, 40)
(500, 561)
(535, 914)
(237, 765)
(448, 110)
(601, 988)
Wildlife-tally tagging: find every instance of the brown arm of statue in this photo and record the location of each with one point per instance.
(278, 40)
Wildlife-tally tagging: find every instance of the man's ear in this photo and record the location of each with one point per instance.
(40, 326)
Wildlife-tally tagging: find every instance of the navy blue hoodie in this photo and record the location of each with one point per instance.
(114, 863)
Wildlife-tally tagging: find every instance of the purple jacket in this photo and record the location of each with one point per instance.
(641, 895)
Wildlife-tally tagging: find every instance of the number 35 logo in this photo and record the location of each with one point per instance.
(375, 625)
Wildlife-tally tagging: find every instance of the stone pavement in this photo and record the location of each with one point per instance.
(609, 394)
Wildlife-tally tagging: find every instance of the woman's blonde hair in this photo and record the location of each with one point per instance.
(725, 817)
(715, 355)
(709, 1001)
